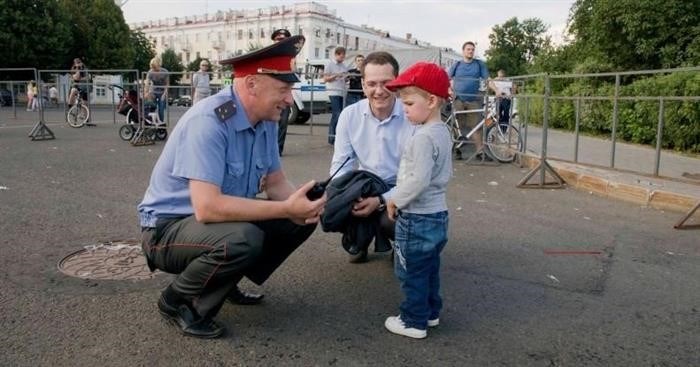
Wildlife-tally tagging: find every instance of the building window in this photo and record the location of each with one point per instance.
(301, 31)
(327, 54)
(318, 32)
(240, 34)
(337, 38)
(187, 57)
(250, 34)
(316, 52)
(357, 43)
(100, 92)
(198, 55)
(262, 33)
(328, 33)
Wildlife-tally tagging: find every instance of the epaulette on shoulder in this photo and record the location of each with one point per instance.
(225, 111)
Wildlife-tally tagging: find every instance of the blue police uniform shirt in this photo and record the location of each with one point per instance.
(231, 154)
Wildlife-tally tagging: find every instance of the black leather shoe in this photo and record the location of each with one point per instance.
(238, 297)
(190, 323)
(359, 257)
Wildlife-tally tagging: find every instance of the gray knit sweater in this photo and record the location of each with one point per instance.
(425, 169)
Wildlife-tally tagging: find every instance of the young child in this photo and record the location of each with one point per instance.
(419, 205)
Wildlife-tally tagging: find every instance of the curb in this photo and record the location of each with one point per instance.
(658, 193)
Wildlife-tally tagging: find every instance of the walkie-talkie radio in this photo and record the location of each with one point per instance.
(320, 187)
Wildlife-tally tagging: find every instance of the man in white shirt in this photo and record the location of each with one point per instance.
(334, 76)
(372, 133)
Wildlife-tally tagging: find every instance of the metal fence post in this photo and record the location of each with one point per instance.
(614, 121)
(659, 137)
(577, 107)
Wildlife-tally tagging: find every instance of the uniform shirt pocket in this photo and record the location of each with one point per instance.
(234, 182)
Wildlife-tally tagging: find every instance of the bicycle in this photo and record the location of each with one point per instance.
(78, 115)
(503, 141)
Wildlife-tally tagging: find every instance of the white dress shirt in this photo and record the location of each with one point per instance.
(372, 145)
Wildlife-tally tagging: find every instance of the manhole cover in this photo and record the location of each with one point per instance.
(116, 260)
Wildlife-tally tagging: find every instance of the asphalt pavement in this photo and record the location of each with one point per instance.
(529, 277)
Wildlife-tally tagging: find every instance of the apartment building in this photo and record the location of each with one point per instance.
(225, 34)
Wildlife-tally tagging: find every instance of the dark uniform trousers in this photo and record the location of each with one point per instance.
(210, 258)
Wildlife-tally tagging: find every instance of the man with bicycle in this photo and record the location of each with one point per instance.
(468, 78)
(78, 73)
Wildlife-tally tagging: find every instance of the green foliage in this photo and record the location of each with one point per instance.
(143, 50)
(194, 65)
(171, 62)
(514, 45)
(34, 33)
(637, 119)
(637, 34)
(100, 34)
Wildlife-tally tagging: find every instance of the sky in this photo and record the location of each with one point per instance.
(444, 23)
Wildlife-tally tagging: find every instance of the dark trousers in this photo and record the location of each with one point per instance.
(210, 258)
(353, 97)
(282, 129)
(503, 110)
(336, 108)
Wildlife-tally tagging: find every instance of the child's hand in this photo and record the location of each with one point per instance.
(392, 210)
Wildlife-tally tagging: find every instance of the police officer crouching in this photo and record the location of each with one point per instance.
(200, 218)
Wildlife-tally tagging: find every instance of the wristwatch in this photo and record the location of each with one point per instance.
(382, 204)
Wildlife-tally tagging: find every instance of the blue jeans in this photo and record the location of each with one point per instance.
(420, 239)
(336, 108)
(161, 103)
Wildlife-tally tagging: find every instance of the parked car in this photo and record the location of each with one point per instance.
(6, 98)
(185, 100)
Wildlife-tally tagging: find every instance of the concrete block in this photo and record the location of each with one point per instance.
(592, 183)
(629, 193)
(665, 200)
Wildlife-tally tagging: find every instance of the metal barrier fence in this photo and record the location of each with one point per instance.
(538, 98)
(39, 131)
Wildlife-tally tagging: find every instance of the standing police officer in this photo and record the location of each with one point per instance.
(199, 216)
(277, 36)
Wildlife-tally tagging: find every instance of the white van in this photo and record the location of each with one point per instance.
(311, 87)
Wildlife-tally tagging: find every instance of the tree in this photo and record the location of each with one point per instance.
(514, 44)
(637, 34)
(171, 62)
(100, 34)
(34, 33)
(143, 50)
(194, 65)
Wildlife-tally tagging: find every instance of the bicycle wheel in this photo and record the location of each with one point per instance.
(77, 115)
(503, 142)
(126, 132)
(161, 134)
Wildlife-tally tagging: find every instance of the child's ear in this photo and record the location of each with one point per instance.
(433, 101)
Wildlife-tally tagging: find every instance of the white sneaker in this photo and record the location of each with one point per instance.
(434, 322)
(396, 326)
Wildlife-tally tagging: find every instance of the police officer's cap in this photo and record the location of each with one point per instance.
(274, 60)
(278, 32)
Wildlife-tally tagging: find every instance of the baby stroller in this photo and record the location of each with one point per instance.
(128, 106)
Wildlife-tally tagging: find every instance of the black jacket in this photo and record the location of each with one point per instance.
(337, 216)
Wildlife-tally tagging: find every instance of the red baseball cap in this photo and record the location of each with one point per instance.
(424, 75)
